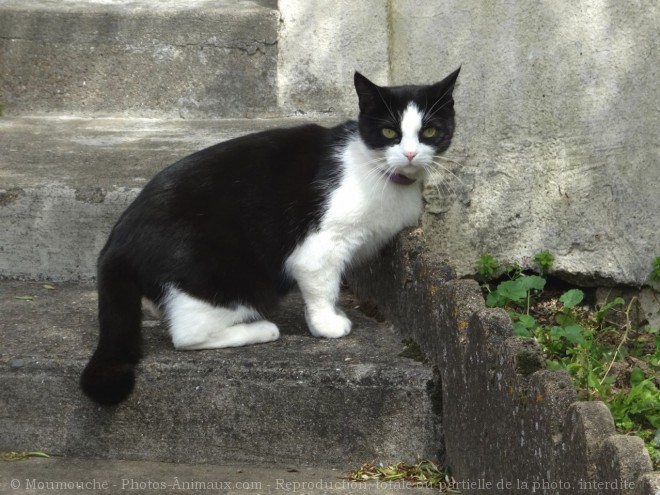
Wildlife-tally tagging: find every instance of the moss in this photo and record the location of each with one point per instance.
(412, 350)
(527, 362)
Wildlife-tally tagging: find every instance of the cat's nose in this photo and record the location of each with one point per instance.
(410, 155)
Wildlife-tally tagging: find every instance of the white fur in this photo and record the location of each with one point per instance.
(195, 324)
(363, 213)
(411, 124)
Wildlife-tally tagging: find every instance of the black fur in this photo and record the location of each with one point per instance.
(220, 224)
(379, 108)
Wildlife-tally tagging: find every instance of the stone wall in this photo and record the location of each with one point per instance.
(557, 119)
(557, 136)
(510, 425)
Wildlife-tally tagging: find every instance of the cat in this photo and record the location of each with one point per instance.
(214, 240)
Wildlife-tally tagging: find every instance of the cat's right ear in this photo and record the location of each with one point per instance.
(368, 93)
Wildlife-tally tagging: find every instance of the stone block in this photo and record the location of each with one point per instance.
(196, 59)
(321, 44)
(557, 122)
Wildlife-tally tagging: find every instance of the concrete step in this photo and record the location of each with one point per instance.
(70, 476)
(65, 181)
(299, 401)
(171, 58)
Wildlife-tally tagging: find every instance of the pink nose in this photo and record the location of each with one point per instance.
(410, 155)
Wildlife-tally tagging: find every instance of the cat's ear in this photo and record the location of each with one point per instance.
(368, 93)
(444, 88)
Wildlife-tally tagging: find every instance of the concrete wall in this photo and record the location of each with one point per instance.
(167, 59)
(557, 112)
(321, 44)
(510, 425)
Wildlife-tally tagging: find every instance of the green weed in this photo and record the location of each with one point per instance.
(21, 456)
(487, 266)
(608, 358)
(655, 271)
(544, 260)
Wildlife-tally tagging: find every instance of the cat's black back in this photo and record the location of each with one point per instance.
(231, 212)
(216, 238)
(218, 225)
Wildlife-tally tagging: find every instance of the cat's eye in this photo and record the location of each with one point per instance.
(388, 133)
(429, 132)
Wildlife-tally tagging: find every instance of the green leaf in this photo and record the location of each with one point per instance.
(654, 276)
(556, 332)
(487, 266)
(574, 334)
(565, 319)
(496, 300)
(513, 290)
(527, 321)
(609, 380)
(532, 282)
(572, 298)
(521, 330)
(545, 260)
(636, 377)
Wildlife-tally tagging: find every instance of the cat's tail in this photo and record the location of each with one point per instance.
(109, 376)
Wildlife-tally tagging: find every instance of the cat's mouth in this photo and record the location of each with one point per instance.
(401, 179)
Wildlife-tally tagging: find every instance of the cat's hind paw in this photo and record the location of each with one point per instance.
(328, 324)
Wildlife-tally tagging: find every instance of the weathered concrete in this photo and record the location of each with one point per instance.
(300, 400)
(556, 146)
(71, 476)
(59, 200)
(321, 44)
(558, 118)
(506, 419)
(173, 58)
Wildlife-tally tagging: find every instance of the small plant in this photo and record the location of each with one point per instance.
(641, 405)
(545, 260)
(487, 266)
(20, 456)
(655, 271)
(607, 357)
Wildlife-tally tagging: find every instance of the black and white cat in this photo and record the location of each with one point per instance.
(216, 238)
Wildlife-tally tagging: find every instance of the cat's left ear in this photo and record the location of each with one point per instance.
(444, 88)
(368, 93)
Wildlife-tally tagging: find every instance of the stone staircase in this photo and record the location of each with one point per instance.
(97, 96)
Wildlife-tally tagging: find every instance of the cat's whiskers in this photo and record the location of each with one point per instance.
(387, 122)
(446, 169)
(387, 106)
(378, 181)
(448, 160)
(378, 176)
(436, 179)
(429, 114)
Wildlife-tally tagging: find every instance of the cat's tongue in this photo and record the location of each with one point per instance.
(401, 179)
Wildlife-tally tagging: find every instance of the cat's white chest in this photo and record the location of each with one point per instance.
(372, 213)
(366, 211)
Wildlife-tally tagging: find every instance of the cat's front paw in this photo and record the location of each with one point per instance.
(328, 324)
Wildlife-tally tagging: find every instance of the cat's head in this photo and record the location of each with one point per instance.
(406, 126)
